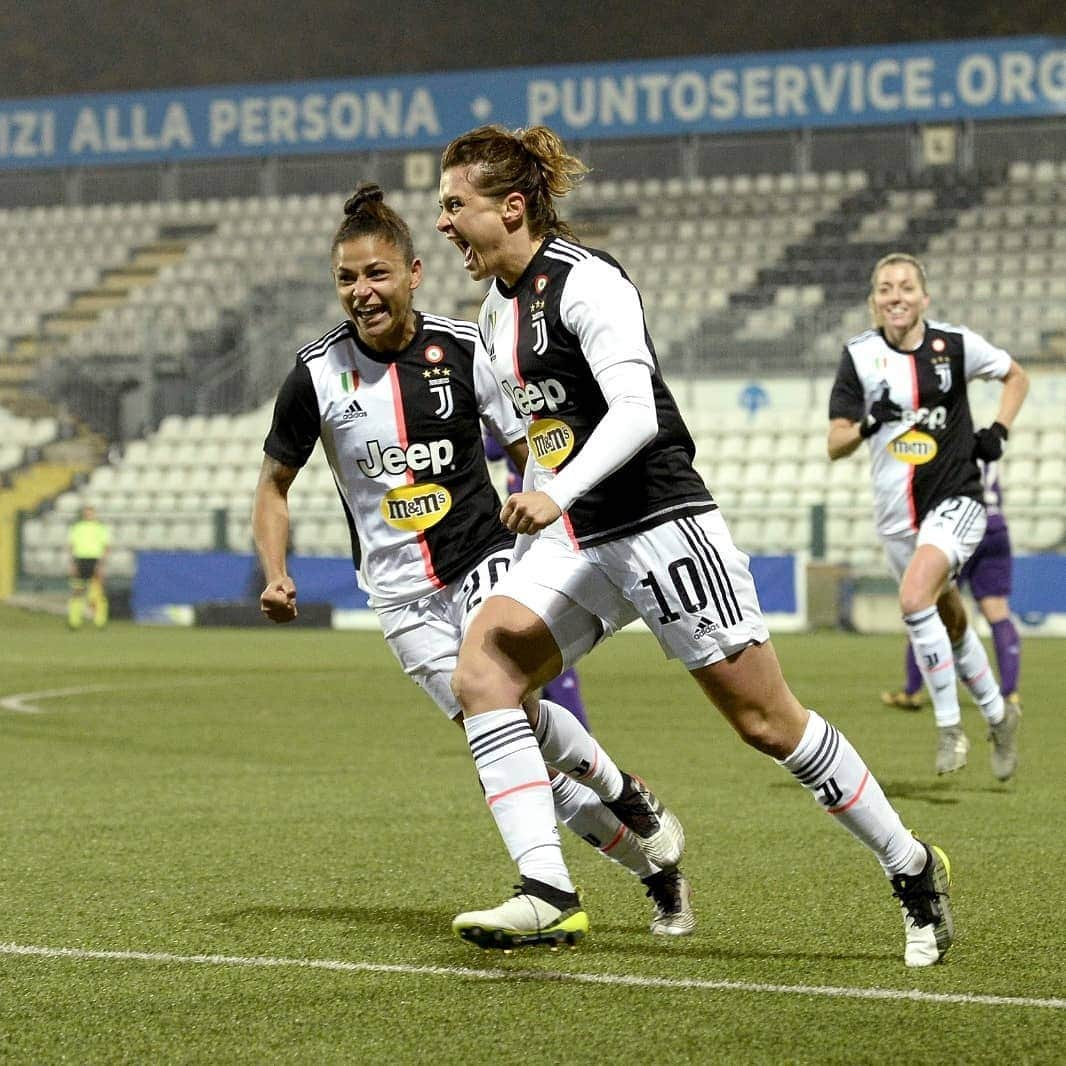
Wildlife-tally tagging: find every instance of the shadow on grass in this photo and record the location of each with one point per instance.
(943, 790)
(409, 918)
(632, 942)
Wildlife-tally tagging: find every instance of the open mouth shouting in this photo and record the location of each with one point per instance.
(465, 250)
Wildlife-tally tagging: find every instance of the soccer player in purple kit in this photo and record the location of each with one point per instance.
(901, 389)
(400, 399)
(988, 575)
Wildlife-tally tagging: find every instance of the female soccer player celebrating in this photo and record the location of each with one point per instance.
(624, 527)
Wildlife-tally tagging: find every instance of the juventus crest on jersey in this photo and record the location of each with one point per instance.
(571, 312)
(926, 456)
(402, 434)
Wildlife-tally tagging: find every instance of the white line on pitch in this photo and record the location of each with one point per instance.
(26, 702)
(626, 980)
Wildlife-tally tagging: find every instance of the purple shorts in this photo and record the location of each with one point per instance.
(988, 570)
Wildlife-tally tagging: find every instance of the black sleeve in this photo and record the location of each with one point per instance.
(847, 399)
(296, 426)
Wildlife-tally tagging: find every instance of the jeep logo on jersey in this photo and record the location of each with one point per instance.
(435, 456)
(416, 507)
(548, 394)
(913, 447)
(933, 417)
(550, 441)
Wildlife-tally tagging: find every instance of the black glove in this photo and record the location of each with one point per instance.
(988, 443)
(882, 410)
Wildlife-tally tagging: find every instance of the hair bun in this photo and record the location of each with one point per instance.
(367, 193)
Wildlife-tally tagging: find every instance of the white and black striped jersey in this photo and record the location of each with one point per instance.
(403, 436)
(925, 457)
(574, 311)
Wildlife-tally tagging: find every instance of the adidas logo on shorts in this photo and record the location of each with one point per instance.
(706, 626)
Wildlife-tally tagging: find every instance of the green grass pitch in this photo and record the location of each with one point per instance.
(247, 846)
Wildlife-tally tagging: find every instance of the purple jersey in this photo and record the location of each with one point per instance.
(494, 452)
(988, 570)
(993, 496)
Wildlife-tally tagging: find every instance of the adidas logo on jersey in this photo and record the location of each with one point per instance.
(706, 626)
(353, 410)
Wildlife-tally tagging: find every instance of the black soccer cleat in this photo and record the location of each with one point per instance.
(658, 832)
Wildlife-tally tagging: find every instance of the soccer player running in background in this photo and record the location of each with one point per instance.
(988, 574)
(399, 399)
(625, 528)
(566, 688)
(90, 541)
(901, 387)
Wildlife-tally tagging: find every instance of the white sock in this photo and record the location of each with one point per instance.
(518, 793)
(583, 813)
(568, 746)
(932, 649)
(825, 763)
(975, 672)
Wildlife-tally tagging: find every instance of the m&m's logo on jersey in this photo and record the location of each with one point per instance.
(550, 442)
(416, 507)
(540, 283)
(434, 354)
(912, 447)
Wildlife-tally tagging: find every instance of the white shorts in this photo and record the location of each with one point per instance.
(425, 634)
(955, 526)
(686, 579)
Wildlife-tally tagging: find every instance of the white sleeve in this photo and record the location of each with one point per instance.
(981, 359)
(630, 423)
(497, 411)
(602, 309)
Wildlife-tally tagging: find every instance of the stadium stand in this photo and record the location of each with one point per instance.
(764, 272)
(752, 273)
(188, 487)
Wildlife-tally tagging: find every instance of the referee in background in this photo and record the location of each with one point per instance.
(89, 540)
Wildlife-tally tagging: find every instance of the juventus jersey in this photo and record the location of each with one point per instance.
(925, 457)
(574, 311)
(402, 434)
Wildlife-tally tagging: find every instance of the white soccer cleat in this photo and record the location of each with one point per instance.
(657, 829)
(1004, 738)
(671, 893)
(526, 919)
(927, 919)
(952, 747)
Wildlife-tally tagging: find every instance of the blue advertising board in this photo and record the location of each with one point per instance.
(977, 79)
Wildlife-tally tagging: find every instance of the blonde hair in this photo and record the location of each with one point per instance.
(890, 260)
(533, 162)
